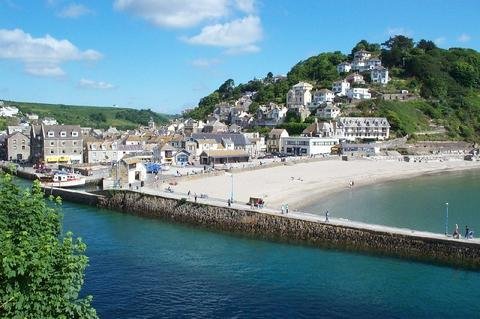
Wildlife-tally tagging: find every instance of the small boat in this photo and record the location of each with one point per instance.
(63, 180)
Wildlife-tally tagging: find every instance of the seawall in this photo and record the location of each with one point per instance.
(367, 238)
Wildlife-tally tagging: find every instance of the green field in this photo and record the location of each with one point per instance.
(92, 116)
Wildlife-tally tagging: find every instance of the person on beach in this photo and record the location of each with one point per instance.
(229, 202)
(283, 209)
(286, 208)
(466, 232)
(195, 197)
(188, 194)
(326, 215)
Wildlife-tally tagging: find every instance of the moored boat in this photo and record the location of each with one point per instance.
(63, 180)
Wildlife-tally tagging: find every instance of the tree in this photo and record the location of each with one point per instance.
(365, 45)
(41, 270)
(426, 45)
(226, 89)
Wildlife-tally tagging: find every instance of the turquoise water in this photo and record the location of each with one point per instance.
(144, 268)
(413, 203)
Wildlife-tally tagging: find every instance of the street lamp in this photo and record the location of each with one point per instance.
(446, 219)
(231, 193)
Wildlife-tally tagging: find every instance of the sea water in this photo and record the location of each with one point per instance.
(145, 268)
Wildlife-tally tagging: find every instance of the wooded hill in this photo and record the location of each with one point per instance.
(446, 81)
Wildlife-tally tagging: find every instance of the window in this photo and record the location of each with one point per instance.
(23, 147)
(23, 142)
(63, 134)
(51, 134)
(14, 141)
(52, 143)
(74, 134)
(51, 151)
(63, 143)
(14, 147)
(74, 143)
(63, 151)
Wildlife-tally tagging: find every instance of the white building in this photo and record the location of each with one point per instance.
(344, 67)
(49, 121)
(307, 146)
(379, 75)
(359, 65)
(300, 95)
(340, 87)
(373, 63)
(323, 96)
(270, 115)
(329, 112)
(367, 128)
(358, 94)
(355, 78)
(8, 111)
(362, 55)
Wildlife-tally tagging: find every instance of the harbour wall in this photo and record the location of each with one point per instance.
(460, 253)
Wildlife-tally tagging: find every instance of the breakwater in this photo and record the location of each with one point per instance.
(350, 236)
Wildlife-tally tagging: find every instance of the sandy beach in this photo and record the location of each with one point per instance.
(301, 184)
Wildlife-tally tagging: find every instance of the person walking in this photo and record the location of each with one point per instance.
(286, 208)
(326, 215)
(466, 232)
(229, 202)
(195, 197)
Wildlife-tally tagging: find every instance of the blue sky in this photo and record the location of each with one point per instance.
(166, 54)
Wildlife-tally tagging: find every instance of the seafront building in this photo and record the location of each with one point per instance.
(307, 146)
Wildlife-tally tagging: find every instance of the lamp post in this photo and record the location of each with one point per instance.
(231, 193)
(446, 219)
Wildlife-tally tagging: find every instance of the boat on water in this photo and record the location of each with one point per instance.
(63, 180)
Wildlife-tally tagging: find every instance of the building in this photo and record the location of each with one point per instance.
(362, 55)
(274, 139)
(308, 146)
(49, 121)
(223, 157)
(240, 141)
(366, 128)
(18, 147)
(300, 95)
(355, 78)
(359, 149)
(323, 96)
(62, 144)
(379, 74)
(329, 112)
(270, 115)
(8, 111)
(358, 94)
(340, 87)
(373, 63)
(344, 67)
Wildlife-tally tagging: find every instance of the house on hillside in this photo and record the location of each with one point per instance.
(355, 78)
(300, 95)
(340, 87)
(323, 96)
(379, 74)
(18, 147)
(328, 112)
(367, 128)
(358, 94)
(344, 67)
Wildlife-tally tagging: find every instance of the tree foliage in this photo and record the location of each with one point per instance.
(41, 271)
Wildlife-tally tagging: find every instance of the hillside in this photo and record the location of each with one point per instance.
(92, 116)
(446, 83)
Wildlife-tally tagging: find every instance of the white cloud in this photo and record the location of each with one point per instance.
(439, 40)
(41, 56)
(399, 31)
(237, 35)
(247, 6)
(175, 14)
(74, 10)
(98, 85)
(205, 63)
(464, 38)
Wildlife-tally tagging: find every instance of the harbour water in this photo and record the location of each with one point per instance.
(144, 268)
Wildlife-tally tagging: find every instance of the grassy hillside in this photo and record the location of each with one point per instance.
(92, 116)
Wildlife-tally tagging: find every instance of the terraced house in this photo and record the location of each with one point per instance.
(62, 144)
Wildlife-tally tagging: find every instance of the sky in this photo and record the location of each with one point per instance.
(167, 54)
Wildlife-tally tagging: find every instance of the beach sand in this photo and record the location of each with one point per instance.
(311, 180)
